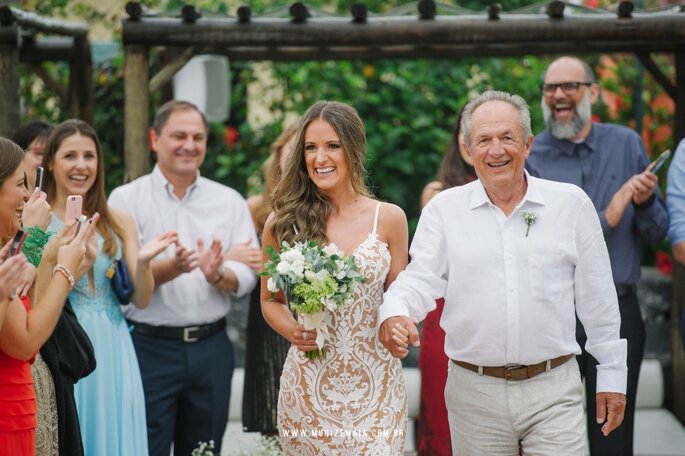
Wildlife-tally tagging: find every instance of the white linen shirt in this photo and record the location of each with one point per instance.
(509, 298)
(208, 210)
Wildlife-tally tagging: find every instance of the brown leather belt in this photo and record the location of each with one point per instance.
(515, 372)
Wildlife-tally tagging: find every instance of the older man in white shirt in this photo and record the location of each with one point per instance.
(515, 258)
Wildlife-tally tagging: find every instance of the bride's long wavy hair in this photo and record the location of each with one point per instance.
(300, 209)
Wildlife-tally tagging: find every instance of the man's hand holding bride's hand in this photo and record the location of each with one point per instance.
(396, 333)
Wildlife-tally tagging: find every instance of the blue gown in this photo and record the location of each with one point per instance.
(110, 401)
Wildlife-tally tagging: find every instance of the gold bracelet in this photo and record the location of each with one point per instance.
(66, 273)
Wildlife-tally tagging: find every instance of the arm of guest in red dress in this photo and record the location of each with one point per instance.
(27, 328)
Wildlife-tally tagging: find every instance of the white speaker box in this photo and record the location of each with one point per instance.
(205, 82)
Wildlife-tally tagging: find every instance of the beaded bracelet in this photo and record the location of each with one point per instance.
(34, 244)
(66, 273)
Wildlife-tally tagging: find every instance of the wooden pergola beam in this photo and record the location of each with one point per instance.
(657, 28)
(167, 73)
(47, 50)
(278, 53)
(48, 25)
(657, 74)
(136, 111)
(49, 81)
(9, 79)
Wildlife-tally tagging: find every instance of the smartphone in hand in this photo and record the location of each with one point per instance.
(17, 242)
(39, 177)
(74, 208)
(661, 160)
(73, 211)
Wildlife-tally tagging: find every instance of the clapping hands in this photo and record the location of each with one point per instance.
(210, 259)
(156, 246)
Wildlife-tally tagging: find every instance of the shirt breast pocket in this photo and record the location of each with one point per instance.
(549, 276)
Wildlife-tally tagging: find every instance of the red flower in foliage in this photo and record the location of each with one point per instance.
(230, 136)
(664, 263)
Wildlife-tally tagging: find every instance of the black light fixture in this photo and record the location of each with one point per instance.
(190, 14)
(493, 11)
(555, 10)
(625, 9)
(359, 13)
(134, 11)
(244, 14)
(299, 12)
(427, 9)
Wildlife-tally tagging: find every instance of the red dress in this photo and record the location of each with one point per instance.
(17, 405)
(433, 428)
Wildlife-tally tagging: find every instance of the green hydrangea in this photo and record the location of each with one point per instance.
(308, 297)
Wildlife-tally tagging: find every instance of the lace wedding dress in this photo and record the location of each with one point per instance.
(353, 400)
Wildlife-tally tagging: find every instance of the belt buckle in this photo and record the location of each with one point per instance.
(511, 367)
(186, 334)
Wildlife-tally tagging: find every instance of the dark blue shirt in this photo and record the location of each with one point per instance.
(600, 165)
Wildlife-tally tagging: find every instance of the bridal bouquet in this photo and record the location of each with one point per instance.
(314, 279)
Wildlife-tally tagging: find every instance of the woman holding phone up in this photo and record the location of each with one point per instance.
(27, 327)
(110, 401)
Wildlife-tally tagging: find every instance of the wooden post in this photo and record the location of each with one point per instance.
(136, 112)
(81, 81)
(9, 89)
(678, 299)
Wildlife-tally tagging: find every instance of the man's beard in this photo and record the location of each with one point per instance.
(568, 130)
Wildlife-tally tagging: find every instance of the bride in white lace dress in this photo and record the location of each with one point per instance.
(353, 400)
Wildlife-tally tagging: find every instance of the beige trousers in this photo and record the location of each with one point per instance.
(542, 415)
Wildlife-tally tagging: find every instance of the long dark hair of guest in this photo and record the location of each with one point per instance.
(454, 170)
(94, 200)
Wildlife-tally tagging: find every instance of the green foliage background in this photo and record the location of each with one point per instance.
(408, 107)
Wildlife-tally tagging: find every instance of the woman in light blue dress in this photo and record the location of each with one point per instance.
(110, 401)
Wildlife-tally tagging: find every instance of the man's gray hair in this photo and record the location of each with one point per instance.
(496, 95)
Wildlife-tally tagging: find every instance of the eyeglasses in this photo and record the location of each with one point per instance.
(569, 88)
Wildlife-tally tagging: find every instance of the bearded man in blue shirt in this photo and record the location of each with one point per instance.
(610, 163)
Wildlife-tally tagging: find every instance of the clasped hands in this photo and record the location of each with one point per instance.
(396, 333)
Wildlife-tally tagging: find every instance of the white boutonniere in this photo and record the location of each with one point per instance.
(530, 217)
